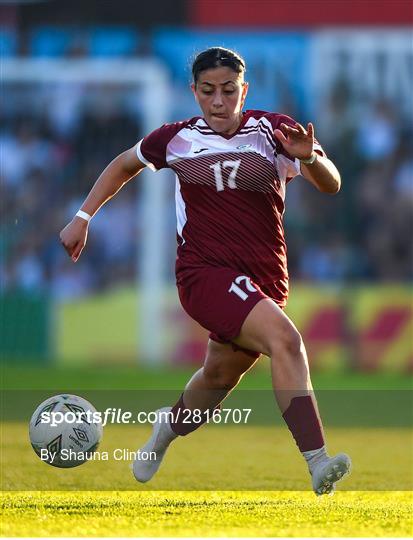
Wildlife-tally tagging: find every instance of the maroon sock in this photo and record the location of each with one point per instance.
(183, 423)
(304, 424)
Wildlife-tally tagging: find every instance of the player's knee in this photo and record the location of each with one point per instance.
(289, 343)
(220, 378)
(294, 343)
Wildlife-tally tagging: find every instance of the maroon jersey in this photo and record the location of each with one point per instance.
(230, 192)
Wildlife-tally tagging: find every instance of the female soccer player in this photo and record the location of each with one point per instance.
(232, 170)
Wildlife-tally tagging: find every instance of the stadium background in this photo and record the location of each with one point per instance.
(348, 70)
(88, 329)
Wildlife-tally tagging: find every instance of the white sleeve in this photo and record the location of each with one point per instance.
(142, 158)
(288, 168)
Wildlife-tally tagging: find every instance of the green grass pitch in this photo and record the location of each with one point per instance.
(231, 481)
(216, 513)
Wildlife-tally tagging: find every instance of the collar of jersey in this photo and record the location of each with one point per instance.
(241, 125)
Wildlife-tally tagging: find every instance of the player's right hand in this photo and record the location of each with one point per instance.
(73, 237)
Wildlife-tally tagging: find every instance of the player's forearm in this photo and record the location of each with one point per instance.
(323, 174)
(116, 174)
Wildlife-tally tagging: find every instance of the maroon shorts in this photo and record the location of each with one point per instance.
(219, 299)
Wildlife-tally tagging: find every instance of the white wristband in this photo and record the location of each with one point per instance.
(84, 215)
(310, 160)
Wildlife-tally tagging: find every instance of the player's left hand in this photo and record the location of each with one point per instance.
(298, 142)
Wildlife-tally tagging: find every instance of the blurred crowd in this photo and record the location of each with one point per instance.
(50, 159)
(363, 233)
(51, 155)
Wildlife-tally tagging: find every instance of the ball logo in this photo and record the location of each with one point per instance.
(55, 446)
(81, 435)
(79, 411)
(48, 408)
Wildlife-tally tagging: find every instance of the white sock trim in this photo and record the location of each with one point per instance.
(314, 457)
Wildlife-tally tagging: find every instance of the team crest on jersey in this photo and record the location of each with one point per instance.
(243, 146)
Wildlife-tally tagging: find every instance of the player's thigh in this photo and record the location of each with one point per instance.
(268, 329)
(223, 361)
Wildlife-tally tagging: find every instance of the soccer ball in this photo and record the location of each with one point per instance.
(65, 430)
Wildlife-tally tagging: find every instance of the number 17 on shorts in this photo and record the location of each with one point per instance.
(240, 283)
(219, 299)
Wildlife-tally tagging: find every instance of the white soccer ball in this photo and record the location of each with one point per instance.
(65, 430)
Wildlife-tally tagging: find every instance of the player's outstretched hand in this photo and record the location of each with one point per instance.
(73, 237)
(298, 142)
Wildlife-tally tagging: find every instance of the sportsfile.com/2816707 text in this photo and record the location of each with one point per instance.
(118, 416)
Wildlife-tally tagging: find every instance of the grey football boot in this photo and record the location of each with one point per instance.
(154, 449)
(328, 472)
